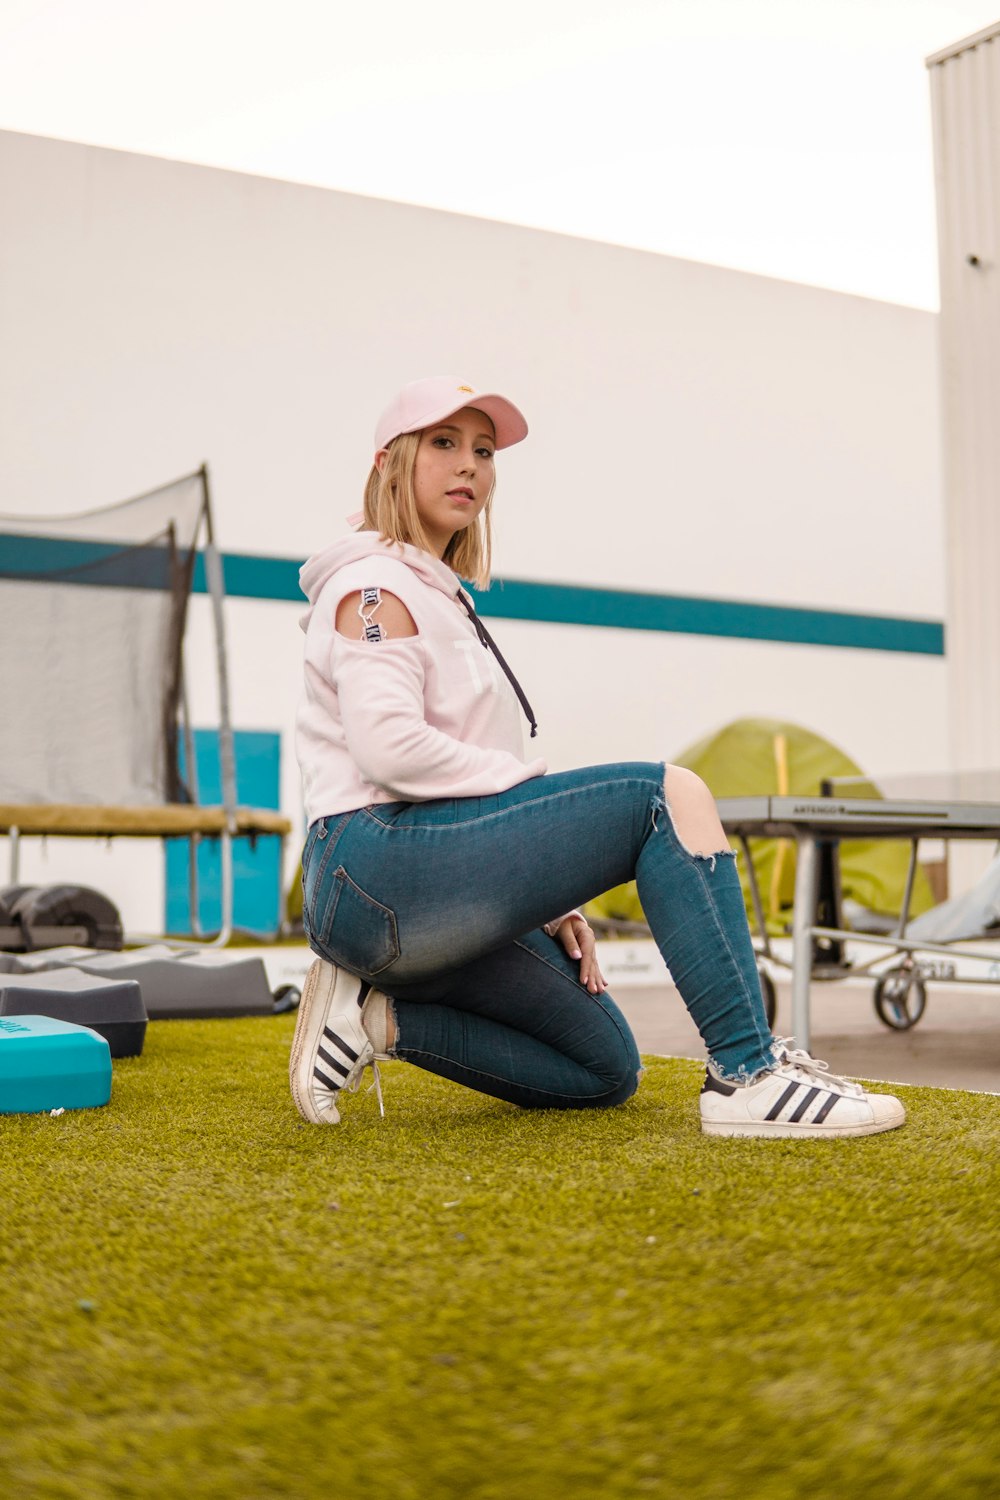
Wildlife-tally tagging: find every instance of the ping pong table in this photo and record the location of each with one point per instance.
(812, 822)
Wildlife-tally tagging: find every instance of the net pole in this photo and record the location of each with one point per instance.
(191, 769)
(227, 760)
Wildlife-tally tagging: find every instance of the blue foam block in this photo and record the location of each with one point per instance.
(48, 1064)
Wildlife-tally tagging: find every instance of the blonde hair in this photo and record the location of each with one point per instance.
(391, 510)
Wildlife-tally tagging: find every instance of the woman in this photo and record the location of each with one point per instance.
(438, 859)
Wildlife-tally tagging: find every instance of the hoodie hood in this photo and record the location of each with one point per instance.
(320, 568)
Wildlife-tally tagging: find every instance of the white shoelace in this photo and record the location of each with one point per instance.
(375, 1084)
(813, 1068)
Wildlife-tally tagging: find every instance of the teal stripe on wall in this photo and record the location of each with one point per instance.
(249, 576)
(253, 577)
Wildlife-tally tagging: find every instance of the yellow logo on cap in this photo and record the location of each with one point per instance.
(465, 388)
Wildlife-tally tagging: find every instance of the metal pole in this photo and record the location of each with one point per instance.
(803, 916)
(899, 945)
(191, 780)
(226, 853)
(904, 915)
(227, 760)
(758, 906)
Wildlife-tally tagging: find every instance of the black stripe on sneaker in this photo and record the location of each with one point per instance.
(332, 1036)
(332, 1062)
(821, 1114)
(786, 1098)
(800, 1109)
(334, 1084)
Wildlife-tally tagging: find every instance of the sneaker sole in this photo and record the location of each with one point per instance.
(318, 995)
(780, 1131)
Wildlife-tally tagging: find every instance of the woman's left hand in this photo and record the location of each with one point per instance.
(579, 941)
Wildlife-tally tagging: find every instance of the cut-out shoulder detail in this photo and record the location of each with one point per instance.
(391, 613)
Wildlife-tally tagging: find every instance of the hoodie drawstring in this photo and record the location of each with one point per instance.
(489, 644)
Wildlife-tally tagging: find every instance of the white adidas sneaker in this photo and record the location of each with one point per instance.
(800, 1097)
(330, 1048)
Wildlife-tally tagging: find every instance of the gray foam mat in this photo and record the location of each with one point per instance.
(174, 983)
(111, 1007)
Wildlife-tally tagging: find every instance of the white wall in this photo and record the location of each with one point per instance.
(694, 430)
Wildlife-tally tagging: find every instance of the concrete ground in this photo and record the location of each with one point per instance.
(955, 1044)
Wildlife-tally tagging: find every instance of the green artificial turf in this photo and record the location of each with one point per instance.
(203, 1296)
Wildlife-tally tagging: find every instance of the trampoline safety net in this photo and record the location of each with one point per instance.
(92, 613)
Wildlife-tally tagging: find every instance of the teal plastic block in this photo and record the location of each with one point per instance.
(47, 1064)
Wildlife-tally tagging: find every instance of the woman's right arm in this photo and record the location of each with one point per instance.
(390, 614)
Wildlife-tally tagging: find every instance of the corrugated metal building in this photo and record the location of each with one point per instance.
(965, 88)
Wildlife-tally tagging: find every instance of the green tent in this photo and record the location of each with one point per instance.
(757, 756)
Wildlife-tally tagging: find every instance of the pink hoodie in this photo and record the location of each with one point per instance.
(430, 715)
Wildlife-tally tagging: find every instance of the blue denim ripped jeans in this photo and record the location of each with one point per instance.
(440, 904)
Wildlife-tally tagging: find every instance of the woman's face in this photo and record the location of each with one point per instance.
(453, 474)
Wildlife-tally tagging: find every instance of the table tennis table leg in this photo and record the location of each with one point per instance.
(803, 918)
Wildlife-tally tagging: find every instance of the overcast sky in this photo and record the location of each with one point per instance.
(789, 137)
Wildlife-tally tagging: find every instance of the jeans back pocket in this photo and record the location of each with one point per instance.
(357, 931)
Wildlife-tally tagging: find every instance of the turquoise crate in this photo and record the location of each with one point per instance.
(47, 1064)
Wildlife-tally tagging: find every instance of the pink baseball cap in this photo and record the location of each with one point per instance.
(424, 402)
